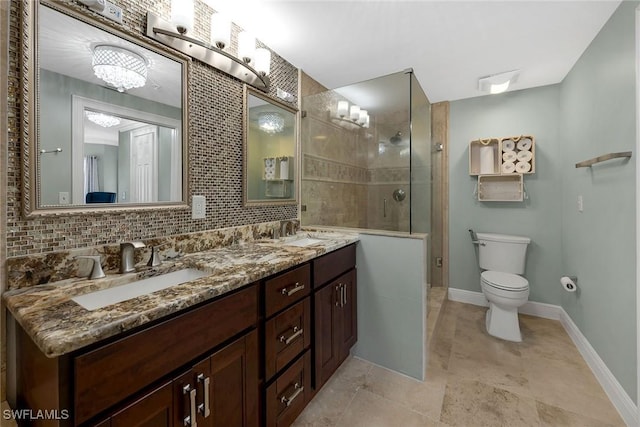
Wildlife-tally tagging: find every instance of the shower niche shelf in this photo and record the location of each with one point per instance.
(500, 165)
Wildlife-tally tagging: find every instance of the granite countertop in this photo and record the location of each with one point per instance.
(59, 325)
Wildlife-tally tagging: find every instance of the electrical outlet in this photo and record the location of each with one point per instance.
(198, 207)
(580, 204)
(63, 197)
(105, 8)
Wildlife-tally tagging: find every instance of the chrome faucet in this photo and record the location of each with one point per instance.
(289, 227)
(127, 263)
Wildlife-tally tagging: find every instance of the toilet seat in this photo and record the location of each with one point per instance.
(504, 281)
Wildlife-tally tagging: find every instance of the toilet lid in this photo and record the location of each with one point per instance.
(506, 281)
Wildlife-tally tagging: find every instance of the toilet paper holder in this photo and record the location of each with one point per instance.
(570, 283)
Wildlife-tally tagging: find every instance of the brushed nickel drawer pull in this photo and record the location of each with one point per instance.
(344, 295)
(289, 400)
(289, 292)
(190, 420)
(338, 294)
(296, 333)
(204, 407)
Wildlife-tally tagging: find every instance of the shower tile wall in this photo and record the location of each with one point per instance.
(347, 172)
(388, 164)
(334, 164)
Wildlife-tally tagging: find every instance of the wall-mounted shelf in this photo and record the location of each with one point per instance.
(500, 188)
(603, 158)
(503, 156)
(500, 164)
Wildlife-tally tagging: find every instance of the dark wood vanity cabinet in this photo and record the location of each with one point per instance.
(335, 317)
(253, 357)
(287, 342)
(208, 355)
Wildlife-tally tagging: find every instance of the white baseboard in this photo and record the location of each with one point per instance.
(618, 396)
(467, 297)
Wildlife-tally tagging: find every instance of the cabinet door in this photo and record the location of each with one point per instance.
(326, 342)
(234, 383)
(348, 321)
(152, 410)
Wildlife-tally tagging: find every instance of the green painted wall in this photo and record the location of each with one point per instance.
(592, 112)
(532, 112)
(598, 113)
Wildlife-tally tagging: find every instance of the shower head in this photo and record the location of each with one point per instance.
(396, 139)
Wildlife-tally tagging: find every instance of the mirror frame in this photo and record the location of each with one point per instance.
(30, 112)
(245, 148)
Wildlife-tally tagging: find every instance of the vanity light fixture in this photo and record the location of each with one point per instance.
(101, 119)
(251, 65)
(119, 67)
(498, 83)
(354, 114)
(271, 122)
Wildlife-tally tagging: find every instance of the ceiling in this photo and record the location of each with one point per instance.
(449, 44)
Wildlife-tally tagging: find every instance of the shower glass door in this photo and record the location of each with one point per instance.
(356, 168)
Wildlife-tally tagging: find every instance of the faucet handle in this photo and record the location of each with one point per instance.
(154, 259)
(96, 269)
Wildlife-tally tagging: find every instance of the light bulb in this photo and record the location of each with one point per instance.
(182, 15)
(246, 46)
(343, 109)
(263, 61)
(220, 30)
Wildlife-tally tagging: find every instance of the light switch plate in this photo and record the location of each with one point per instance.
(198, 207)
(63, 197)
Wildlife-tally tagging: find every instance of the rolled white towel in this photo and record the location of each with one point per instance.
(523, 167)
(508, 167)
(524, 144)
(509, 156)
(525, 156)
(508, 145)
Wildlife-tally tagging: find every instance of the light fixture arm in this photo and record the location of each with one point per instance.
(164, 32)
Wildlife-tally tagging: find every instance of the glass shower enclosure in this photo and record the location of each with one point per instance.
(369, 169)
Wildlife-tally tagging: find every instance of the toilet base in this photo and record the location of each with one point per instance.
(503, 323)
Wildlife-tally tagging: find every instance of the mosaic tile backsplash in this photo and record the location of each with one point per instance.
(215, 155)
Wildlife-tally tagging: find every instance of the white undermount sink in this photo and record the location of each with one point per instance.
(303, 242)
(105, 297)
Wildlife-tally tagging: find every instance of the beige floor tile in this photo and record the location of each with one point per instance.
(335, 396)
(422, 397)
(570, 386)
(370, 410)
(472, 403)
(551, 416)
(544, 338)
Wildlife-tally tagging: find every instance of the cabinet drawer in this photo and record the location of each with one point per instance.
(285, 289)
(333, 264)
(286, 336)
(107, 375)
(289, 394)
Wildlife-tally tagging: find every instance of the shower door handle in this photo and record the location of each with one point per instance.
(384, 208)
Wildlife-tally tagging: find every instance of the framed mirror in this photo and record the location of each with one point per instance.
(270, 146)
(105, 116)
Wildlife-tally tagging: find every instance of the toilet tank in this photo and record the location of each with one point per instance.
(502, 252)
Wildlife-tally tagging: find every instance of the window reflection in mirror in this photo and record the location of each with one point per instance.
(98, 143)
(270, 150)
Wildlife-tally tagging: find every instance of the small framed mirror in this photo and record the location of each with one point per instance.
(270, 147)
(105, 115)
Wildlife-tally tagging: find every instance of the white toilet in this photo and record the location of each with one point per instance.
(502, 259)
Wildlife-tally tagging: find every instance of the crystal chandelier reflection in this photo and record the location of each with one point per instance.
(271, 122)
(101, 119)
(119, 67)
